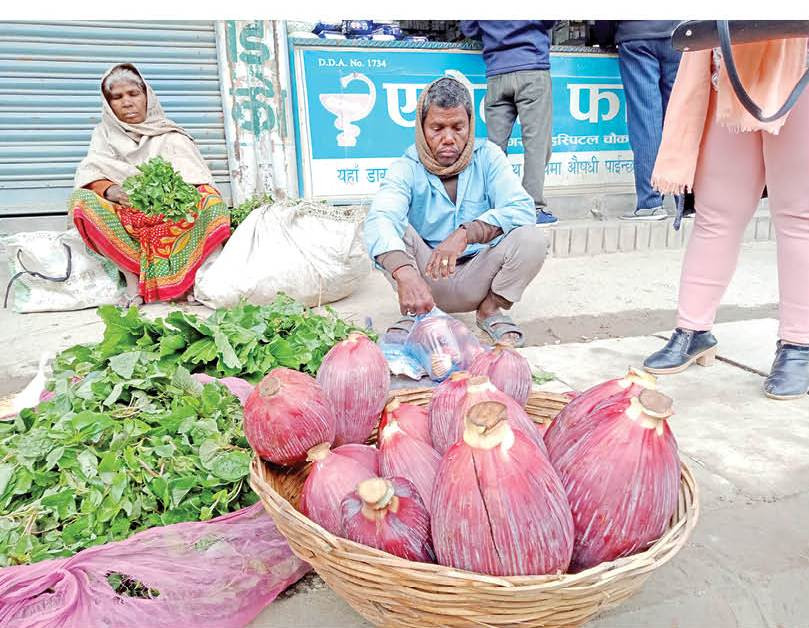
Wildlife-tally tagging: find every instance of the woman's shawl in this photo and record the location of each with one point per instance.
(117, 147)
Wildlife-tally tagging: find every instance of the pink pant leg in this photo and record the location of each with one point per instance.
(786, 158)
(727, 187)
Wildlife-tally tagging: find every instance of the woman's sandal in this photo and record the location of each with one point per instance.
(128, 301)
(500, 325)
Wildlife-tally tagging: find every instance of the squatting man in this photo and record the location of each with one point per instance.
(451, 226)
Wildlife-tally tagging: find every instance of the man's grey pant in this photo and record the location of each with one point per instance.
(527, 93)
(506, 269)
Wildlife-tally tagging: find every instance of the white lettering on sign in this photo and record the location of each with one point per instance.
(596, 96)
(396, 108)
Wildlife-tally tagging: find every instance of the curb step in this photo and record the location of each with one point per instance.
(588, 237)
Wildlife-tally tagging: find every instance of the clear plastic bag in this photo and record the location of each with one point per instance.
(441, 344)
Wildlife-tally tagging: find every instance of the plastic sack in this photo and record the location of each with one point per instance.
(441, 344)
(214, 573)
(311, 251)
(54, 271)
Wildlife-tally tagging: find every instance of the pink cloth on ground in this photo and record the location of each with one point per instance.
(239, 387)
(213, 574)
(732, 171)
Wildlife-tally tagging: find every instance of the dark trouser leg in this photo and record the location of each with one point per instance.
(640, 72)
(501, 112)
(535, 108)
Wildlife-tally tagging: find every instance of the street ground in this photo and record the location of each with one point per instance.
(575, 299)
(587, 319)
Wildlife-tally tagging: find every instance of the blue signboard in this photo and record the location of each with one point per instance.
(355, 112)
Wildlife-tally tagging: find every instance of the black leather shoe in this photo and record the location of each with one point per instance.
(683, 349)
(789, 376)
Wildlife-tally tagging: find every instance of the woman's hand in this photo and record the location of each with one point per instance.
(116, 194)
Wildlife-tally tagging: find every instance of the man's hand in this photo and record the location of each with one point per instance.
(414, 293)
(116, 194)
(442, 261)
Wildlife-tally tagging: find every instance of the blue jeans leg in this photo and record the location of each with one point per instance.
(640, 72)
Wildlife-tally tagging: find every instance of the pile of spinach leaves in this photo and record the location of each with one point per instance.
(128, 447)
(159, 189)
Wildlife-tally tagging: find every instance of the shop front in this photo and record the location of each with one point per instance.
(355, 102)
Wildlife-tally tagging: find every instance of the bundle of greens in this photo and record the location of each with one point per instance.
(160, 190)
(242, 211)
(244, 341)
(127, 447)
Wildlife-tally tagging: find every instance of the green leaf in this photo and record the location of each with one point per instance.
(77, 531)
(25, 480)
(541, 377)
(114, 395)
(160, 489)
(118, 486)
(110, 463)
(230, 465)
(108, 509)
(124, 363)
(182, 379)
(58, 500)
(179, 488)
(229, 356)
(122, 330)
(6, 473)
(88, 463)
(53, 457)
(171, 343)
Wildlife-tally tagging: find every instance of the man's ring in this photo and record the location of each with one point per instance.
(445, 262)
(409, 313)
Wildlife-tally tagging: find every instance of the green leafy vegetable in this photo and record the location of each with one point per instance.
(160, 190)
(242, 211)
(131, 441)
(80, 471)
(243, 341)
(542, 377)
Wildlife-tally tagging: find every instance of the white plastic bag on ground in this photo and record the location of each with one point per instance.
(311, 251)
(54, 271)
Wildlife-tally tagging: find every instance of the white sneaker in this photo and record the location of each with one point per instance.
(655, 213)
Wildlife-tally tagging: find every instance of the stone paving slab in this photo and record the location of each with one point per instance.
(309, 604)
(722, 421)
(748, 343)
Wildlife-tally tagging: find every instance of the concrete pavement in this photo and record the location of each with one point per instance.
(572, 299)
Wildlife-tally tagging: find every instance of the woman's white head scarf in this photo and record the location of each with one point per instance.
(116, 147)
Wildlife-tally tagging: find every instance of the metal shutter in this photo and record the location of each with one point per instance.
(50, 98)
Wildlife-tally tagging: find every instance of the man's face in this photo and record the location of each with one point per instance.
(446, 131)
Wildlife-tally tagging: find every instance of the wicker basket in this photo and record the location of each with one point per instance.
(390, 591)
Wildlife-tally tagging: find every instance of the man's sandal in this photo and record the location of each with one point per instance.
(500, 325)
(403, 326)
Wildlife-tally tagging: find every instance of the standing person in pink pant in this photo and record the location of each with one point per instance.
(713, 145)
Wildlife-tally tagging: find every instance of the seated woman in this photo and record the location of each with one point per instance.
(159, 259)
